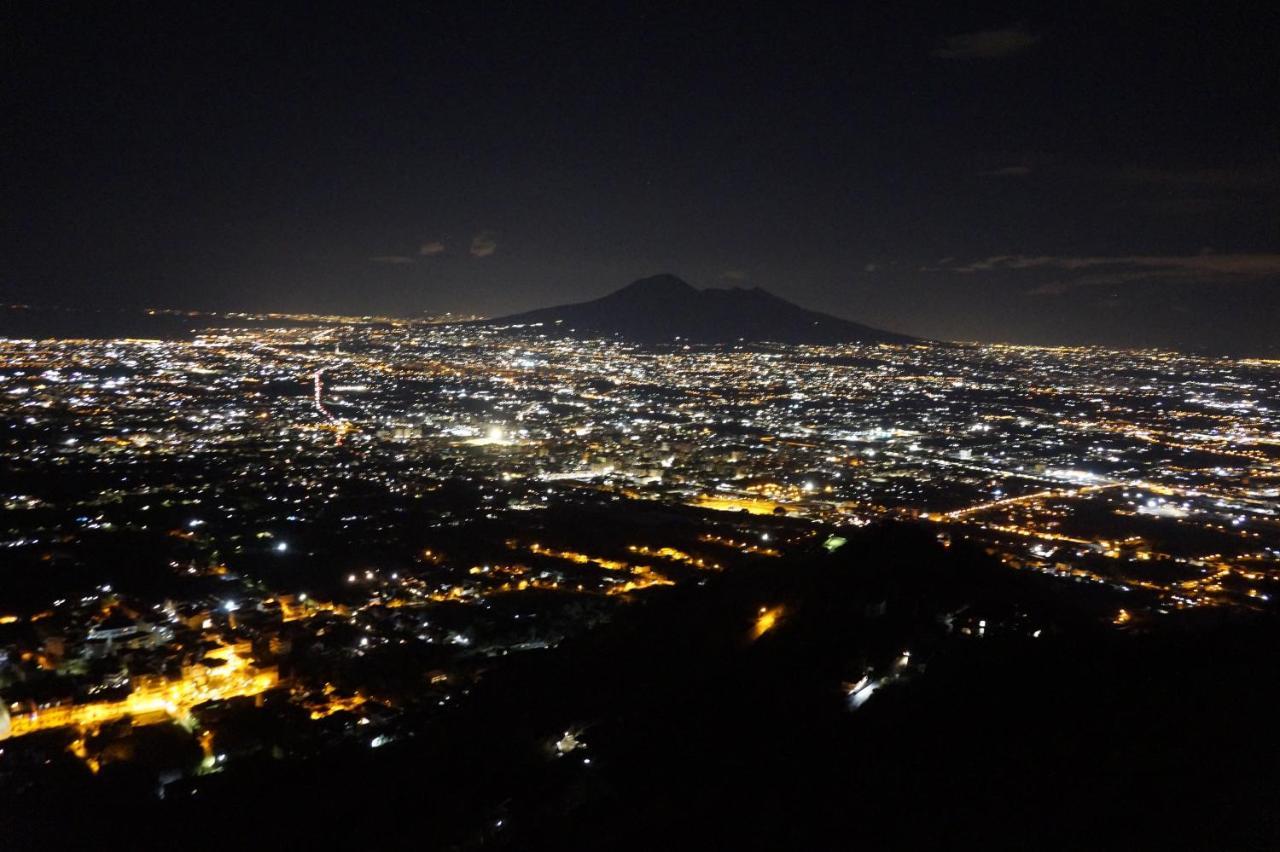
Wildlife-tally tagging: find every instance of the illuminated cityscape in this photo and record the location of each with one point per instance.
(519, 426)
(315, 493)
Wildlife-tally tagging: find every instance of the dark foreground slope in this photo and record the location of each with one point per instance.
(664, 308)
(703, 733)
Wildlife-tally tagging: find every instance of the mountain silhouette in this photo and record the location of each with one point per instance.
(666, 309)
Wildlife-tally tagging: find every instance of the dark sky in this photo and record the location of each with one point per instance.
(999, 173)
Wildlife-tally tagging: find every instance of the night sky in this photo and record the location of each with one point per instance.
(993, 173)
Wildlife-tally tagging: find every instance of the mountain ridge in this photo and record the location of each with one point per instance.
(666, 309)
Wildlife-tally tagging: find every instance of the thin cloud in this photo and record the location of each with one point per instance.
(484, 244)
(1093, 271)
(734, 275)
(987, 44)
(392, 259)
(1206, 262)
(431, 248)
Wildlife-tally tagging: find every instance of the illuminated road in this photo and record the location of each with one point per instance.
(234, 677)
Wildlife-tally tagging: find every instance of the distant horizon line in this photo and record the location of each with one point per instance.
(433, 319)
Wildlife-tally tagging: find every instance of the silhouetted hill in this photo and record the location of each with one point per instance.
(663, 308)
(704, 733)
